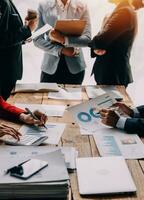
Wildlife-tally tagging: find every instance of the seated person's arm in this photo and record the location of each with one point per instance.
(8, 111)
(130, 125)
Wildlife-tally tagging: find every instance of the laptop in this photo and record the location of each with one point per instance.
(103, 175)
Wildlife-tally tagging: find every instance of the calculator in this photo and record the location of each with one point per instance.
(26, 140)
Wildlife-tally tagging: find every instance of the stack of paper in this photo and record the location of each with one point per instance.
(66, 94)
(70, 154)
(50, 182)
(36, 87)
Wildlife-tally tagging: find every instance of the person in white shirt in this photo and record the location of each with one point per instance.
(63, 57)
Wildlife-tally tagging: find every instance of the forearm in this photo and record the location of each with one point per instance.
(47, 46)
(134, 126)
(7, 111)
(81, 41)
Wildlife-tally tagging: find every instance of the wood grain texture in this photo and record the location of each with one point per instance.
(84, 144)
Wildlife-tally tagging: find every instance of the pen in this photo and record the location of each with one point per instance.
(32, 114)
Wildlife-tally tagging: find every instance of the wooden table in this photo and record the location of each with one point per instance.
(84, 144)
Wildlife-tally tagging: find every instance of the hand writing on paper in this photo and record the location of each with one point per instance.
(28, 119)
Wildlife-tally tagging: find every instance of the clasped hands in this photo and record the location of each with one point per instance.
(110, 116)
(56, 36)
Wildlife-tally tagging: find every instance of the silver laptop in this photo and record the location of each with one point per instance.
(104, 175)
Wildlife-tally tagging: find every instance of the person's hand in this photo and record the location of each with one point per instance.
(56, 36)
(7, 130)
(109, 117)
(28, 119)
(68, 51)
(32, 23)
(125, 109)
(100, 52)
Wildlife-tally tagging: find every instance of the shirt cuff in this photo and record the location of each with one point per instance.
(66, 41)
(121, 123)
(136, 113)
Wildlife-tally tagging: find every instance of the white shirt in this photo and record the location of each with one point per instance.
(62, 14)
(62, 9)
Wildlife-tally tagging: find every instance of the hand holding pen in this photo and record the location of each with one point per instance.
(33, 118)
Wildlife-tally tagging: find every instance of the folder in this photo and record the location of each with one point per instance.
(73, 27)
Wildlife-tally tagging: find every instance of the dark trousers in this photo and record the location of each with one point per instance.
(6, 87)
(63, 75)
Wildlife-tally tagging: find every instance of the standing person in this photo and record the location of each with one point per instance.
(12, 35)
(112, 45)
(63, 58)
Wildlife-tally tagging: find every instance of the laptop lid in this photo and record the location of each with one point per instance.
(103, 175)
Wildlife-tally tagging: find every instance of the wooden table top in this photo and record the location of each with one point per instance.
(84, 144)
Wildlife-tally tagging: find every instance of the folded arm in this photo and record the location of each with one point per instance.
(117, 24)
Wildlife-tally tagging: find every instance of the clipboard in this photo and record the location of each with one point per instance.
(70, 27)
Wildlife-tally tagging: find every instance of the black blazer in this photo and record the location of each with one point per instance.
(12, 34)
(116, 37)
(136, 125)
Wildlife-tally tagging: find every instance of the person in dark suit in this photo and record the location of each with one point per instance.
(133, 124)
(112, 45)
(12, 35)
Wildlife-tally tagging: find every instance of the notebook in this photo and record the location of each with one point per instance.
(103, 175)
(73, 27)
(36, 87)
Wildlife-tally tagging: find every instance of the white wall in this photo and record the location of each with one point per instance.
(98, 9)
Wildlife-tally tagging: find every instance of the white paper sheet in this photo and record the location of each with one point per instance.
(54, 131)
(41, 31)
(18, 152)
(87, 114)
(113, 142)
(49, 110)
(66, 94)
(94, 92)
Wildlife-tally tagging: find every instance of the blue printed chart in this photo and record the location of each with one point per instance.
(88, 117)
